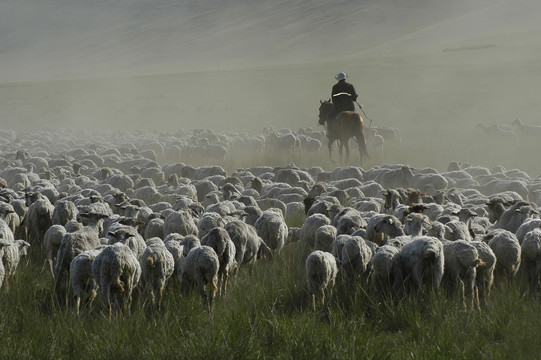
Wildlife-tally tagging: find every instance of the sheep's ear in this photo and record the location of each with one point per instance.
(110, 233)
(391, 221)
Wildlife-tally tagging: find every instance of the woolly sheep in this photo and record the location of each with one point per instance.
(505, 246)
(485, 272)
(201, 267)
(81, 276)
(355, 258)
(385, 265)
(11, 253)
(51, 241)
(324, 238)
(423, 258)
(157, 265)
(321, 270)
(117, 271)
(248, 245)
(531, 257)
(461, 261)
(272, 229)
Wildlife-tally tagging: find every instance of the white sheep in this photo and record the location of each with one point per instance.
(11, 253)
(321, 270)
(485, 272)
(414, 224)
(461, 261)
(307, 232)
(324, 238)
(117, 271)
(505, 246)
(201, 267)
(248, 245)
(423, 258)
(272, 229)
(81, 276)
(218, 239)
(385, 265)
(51, 241)
(355, 258)
(531, 257)
(157, 265)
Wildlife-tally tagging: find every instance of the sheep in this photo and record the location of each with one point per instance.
(485, 272)
(208, 221)
(531, 258)
(348, 221)
(154, 228)
(461, 261)
(505, 246)
(321, 271)
(11, 253)
(81, 276)
(390, 227)
(180, 222)
(157, 265)
(64, 211)
(129, 236)
(117, 272)
(248, 245)
(75, 243)
(324, 238)
(272, 229)
(39, 219)
(385, 265)
(218, 239)
(51, 241)
(498, 132)
(307, 232)
(201, 266)
(423, 257)
(355, 258)
(413, 224)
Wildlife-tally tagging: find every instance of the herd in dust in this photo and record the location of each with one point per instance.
(113, 213)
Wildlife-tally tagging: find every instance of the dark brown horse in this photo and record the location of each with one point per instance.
(347, 124)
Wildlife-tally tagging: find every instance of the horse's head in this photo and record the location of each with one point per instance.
(324, 108)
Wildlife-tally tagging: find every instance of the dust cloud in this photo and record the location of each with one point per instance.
(433, 69)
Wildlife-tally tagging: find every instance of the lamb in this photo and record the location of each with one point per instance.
(157, 265)
(11, 253)
(81, 276)
(461, 261)
(531, 258)
(201, 266)
(423, 257)
(385, 265)
(272, 229)
(218, 239)
(321, 270)
(117, 272)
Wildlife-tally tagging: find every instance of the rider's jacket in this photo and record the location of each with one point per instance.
(343, 96)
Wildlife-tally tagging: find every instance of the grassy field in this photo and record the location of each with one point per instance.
(266, 314)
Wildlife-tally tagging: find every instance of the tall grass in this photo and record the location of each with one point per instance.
(266, 314)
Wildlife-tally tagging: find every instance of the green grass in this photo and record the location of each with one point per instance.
(266, 314)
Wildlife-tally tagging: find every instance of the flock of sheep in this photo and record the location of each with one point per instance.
(116, 212)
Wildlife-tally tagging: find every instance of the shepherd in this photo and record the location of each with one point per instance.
(341, 119)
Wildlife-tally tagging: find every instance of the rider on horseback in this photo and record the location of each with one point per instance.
(343, 98)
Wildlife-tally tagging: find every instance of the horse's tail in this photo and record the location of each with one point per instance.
(361, 140)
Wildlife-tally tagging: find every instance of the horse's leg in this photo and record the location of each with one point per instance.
(361, 142)
(346, 144)
(330, 149)
(340, 149)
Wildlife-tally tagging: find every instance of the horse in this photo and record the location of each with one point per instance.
(347, 124)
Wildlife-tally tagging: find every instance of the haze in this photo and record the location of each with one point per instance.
(432, 68)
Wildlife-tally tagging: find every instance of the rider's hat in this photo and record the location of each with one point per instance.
(341, 76)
